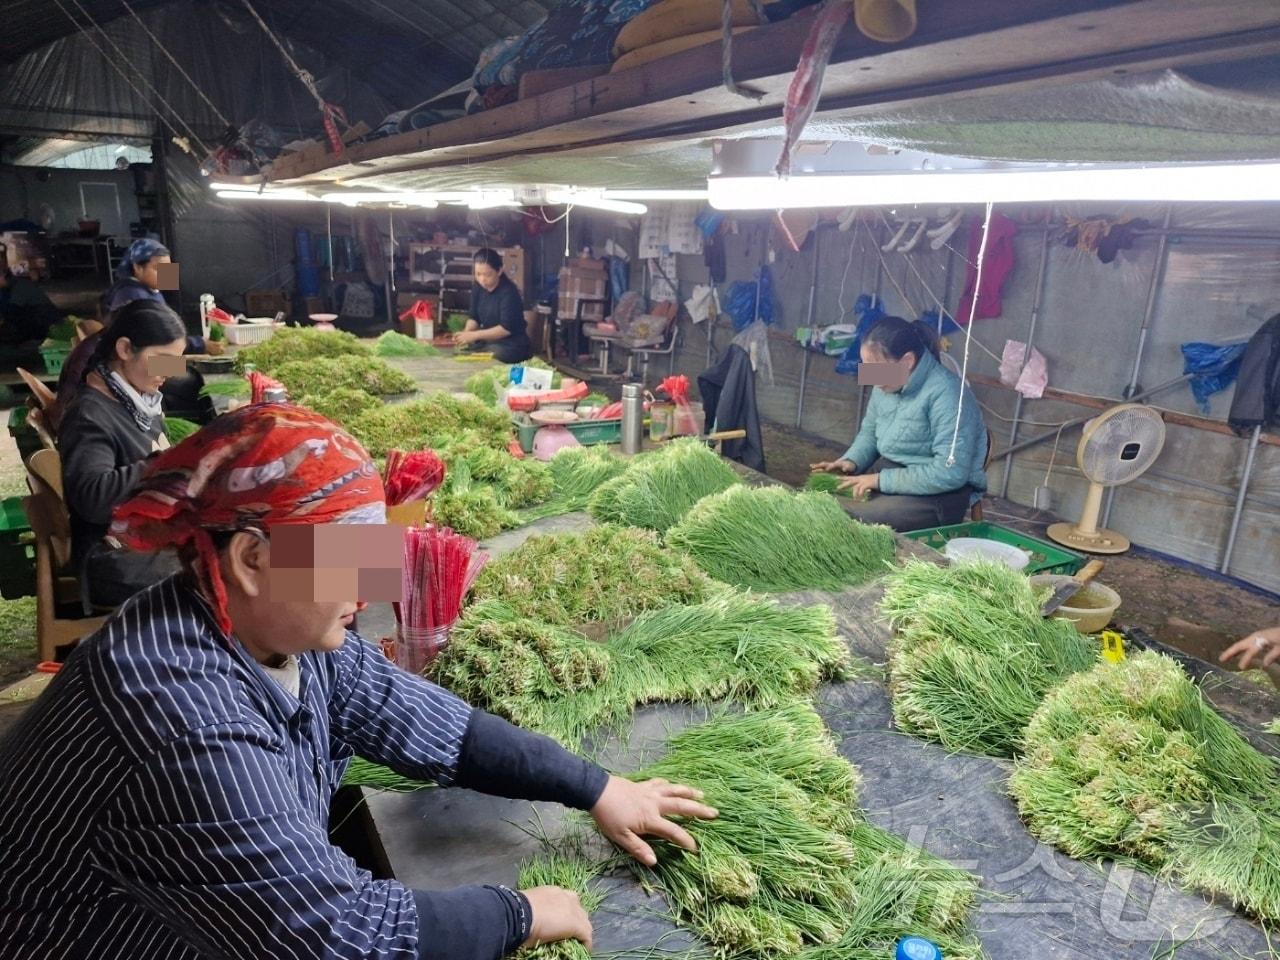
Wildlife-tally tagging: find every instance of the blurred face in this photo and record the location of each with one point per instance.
(299, 590)
(149, 272)
(879, 370)
(147, 369)
(487, 277)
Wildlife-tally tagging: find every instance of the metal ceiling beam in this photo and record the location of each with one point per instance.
(980, 46)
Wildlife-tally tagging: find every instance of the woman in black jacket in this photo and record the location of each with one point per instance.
(497, 313)
(112, 428)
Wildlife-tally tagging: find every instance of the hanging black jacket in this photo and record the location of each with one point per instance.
(729, 397)
(1257, 397)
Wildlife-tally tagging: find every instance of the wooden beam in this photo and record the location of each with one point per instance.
(960, 48)
(1100, 403)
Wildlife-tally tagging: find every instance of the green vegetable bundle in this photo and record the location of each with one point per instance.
(1127, 759)
(298, 343)
(768, 538)
(326, 374)
(177, 429)
(472, 511)
(570, 871)
(396, 344)
(429, 423)
(608, 573)
(342, 405)
(527, 671)
(576, 472)
(236, 389)
(789, 867)
(486, 383)
(745, 648)
(456, 322)
(657, 491)
(823, 482)
(515, 483)
(973, 658)
(1274, 726)
(365, 773)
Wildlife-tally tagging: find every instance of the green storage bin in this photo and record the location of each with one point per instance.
(588, 432)
(1046, 557)
(27, 440)
(54, 356)
(17, 551)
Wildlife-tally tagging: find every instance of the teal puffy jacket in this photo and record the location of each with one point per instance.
(914, 427)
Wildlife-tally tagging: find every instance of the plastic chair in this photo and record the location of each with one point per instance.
(57, 595)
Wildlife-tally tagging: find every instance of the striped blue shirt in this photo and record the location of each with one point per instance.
(165, 798)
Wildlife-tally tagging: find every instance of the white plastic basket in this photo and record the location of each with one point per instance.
(241, 334)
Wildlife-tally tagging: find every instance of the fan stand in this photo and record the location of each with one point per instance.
(1085, 535)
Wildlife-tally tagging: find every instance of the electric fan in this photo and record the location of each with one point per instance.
(1117, 447)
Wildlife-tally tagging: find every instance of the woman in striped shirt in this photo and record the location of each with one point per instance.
(168, 795)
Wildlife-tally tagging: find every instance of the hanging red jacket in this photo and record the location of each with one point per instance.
(995, 268)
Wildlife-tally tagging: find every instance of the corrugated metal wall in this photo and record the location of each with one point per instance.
(1219, 279)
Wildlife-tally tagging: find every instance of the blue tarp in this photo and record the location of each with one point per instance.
(869, 310)
(740, 301)
(1214, 367)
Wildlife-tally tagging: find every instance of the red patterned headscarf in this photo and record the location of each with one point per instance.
(258, 466)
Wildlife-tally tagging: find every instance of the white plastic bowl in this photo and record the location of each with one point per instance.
(962, 549)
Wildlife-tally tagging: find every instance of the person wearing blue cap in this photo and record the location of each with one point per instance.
(138, 275)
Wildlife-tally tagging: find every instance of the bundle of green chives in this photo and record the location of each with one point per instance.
(790, 868)
(655, 492)
(743, 649)
(365, 773)
(973, 658)
(823, 482)
(571, 871)
(1127, 759)
(1274, 726)
(606, 574)
(771, 539)
(576, 472)
(177, 429)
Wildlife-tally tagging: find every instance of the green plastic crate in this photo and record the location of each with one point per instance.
(588, 432)
(1046, 557)
(27, 440)
(17, 551)
(54, 357)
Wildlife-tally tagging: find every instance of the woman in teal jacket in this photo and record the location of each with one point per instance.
(902, 457)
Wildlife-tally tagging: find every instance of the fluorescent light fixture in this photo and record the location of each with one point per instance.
(686, 195)
(355, 198)
(1206, 183)
(282, 194)
(595, 200)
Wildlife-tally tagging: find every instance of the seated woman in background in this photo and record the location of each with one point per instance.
(497, 313)
(902, 456)
(111, 429)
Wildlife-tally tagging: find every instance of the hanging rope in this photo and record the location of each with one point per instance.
(330, 113)
(184, 142)
(968, 331)
(186, 76)
(726, 50)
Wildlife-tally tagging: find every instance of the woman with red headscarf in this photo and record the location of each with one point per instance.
(168, 795)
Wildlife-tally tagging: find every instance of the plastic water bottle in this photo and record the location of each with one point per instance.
(917, 948)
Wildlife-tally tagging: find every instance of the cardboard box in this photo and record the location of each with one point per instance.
(265, 303)
(579, 284)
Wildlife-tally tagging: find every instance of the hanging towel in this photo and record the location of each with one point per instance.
(995, 268)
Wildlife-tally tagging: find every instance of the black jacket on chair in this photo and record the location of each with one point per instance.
(729, 398)
(1257, 397)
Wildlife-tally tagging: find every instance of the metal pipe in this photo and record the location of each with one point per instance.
(813, 295)
(1026, 355)
(875, 294)
(391, 268)
(1157, 274)
(1041, 438)
(328, 229)
(1244, 489)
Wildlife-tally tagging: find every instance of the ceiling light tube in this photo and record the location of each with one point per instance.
(676, 195)
(1206, 183)
(356, 198)
(596, 201)
(286, 194)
